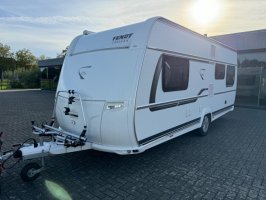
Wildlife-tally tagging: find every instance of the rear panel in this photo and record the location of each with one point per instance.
(101, 78)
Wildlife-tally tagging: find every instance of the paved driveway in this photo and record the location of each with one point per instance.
(229, 163)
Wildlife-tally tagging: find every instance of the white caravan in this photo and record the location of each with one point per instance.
(128, 89)
(134, 87)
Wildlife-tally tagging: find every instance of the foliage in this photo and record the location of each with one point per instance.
(5, 51)
(63, 53)
(42, 57)
(30, 78)
(25, 59)
(252, 63)
(48, 84)
(5, 84)
(6, 59)
(14, 84)
(20, 68)
(7, 63)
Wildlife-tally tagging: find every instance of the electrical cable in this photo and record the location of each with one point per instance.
(3, 163)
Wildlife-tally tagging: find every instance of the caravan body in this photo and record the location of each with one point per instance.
(143, 84)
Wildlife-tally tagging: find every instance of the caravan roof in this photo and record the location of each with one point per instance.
(143, 34)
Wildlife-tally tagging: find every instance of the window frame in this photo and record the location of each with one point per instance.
(227, 78)
(217, 76)
(178, 87)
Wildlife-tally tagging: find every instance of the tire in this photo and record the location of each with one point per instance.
(27, 173)
(203, 130)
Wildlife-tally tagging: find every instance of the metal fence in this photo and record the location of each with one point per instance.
(4, 84)
(48, 84)
(7, 84)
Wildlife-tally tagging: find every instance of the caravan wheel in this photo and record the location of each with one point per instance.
(30, 172)
(203, 130)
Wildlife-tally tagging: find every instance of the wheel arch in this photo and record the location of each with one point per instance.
(206, 111)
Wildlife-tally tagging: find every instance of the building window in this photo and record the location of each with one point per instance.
(245, 80)
(219, 71)
(175, 73)
(230, 76)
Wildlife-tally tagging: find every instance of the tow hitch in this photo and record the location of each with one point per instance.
(30, 171)
(60, 142)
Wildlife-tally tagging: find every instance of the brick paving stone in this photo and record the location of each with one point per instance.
(253, 194)
(228, 163)
(262, 193)
(220, 195)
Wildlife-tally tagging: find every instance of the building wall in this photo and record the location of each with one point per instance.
(251, 48)
(50, 71)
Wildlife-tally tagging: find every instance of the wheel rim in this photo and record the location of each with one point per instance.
(205, 124)
(31, 173)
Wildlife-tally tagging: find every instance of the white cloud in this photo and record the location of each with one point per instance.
(46, 27)
(44, 20)
(50, 34)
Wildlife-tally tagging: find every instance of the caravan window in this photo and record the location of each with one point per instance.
(175, 73)
(230, 76)
(219, 71)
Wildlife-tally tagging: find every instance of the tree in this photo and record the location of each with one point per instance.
(63, 53)
(42, 57)
(253, 63)
(5, 51)
(25, 59)
(7, 62)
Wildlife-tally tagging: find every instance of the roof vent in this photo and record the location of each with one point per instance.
(86, 32)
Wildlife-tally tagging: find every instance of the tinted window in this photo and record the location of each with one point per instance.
(230, 76)
(175, 73)
(219, 71)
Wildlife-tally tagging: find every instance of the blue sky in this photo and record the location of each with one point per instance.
(48, 26)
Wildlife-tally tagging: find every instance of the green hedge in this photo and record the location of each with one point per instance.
(26, 79)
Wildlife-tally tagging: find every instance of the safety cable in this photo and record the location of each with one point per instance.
(3, 163)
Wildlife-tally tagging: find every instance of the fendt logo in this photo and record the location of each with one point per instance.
(122, 38)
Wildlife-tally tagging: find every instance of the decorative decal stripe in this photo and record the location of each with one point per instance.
(224, 92)
(169, 131)
(172, 104)
(155, 80)
(180, 127)
(202, 90)
(96, 50)
(217, 112)
(169, 104)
